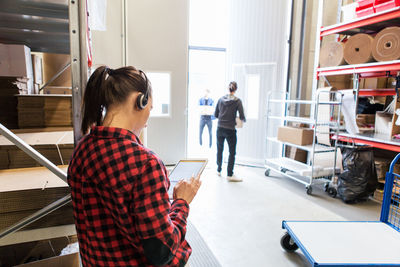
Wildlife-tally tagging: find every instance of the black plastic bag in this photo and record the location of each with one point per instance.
(358, 180)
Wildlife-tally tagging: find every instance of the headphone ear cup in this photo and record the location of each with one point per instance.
(141, 101)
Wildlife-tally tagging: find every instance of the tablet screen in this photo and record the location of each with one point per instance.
(185, 169)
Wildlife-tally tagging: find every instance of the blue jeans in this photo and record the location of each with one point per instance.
(205, 120)
(231, 138)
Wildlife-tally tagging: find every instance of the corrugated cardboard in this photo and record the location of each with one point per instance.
(339, 82)
(44, 111)
(365, 122)
(383, 122)
(296, 154)
(382, 167)
(58, 90)
(297, 136)
(16, 61)
(55, 146)
(25, 191)
(37, 63)
(374, 83)
(71, 260)
(19, 253)
(52, 64)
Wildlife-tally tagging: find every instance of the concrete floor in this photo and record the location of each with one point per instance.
(241, 222)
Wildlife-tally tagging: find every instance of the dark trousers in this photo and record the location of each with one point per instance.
(230, 136)
(205, 120)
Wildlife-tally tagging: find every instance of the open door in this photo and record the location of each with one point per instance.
(157, 43)
(256, 81)
(257, 57)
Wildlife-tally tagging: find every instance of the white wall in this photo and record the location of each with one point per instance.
(107, 46)
(258, 43)
(157, 40)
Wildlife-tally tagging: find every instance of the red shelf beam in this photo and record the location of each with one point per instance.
(376, 18)
(381, 69)
(370, 143)
(377, 92)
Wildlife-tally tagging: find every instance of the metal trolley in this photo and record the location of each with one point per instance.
(309, 173)
(375, 243)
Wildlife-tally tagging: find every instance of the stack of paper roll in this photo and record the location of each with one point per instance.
(358, 49)
(332, 54)
(386, 44)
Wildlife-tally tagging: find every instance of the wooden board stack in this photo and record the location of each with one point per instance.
(44, 111)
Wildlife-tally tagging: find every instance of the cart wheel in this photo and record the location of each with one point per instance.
(332, 192)
(288, 244)
(326, 187)
(309, 189)
(283, 170)
(267, 172)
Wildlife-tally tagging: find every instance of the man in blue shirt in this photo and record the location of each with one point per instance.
(206, 117)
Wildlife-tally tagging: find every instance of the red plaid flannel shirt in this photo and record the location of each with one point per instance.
(119, 195)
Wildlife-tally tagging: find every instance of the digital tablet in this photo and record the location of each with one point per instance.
(185, 169)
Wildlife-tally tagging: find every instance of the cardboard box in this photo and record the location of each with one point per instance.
(378, 195)
(16, 61)
(382, 167)
(52, 64)
(44, 111)
(37, 63)
(55, 146)
(22, 253)
(25, 191)
(365, 122)
(339, 82)
(383, 123)
(373, 83)
(391, 82)
(296, 154)
(57, 90)
(297, 136)
(71, 260)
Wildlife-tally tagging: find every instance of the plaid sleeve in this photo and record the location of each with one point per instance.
(155, 216)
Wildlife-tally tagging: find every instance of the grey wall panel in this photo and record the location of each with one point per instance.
(157, 41)
(107, 45)
(258, 34)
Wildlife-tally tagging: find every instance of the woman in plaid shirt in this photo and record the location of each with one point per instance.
(122, 211)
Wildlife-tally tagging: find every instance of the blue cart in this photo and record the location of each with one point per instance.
(334, 243)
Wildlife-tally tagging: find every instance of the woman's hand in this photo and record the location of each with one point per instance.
(187, 190)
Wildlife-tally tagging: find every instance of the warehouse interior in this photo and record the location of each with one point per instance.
(316, 180)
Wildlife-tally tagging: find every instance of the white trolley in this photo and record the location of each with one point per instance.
(307, 174)
(375, 243)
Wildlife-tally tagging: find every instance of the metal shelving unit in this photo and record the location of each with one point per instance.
(307, 174)
(368, 24)
(56, 26)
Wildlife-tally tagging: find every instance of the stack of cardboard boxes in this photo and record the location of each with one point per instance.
(55, 146)
(298, 135)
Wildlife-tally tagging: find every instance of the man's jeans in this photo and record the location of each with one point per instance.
(230, 136)
(205, 120)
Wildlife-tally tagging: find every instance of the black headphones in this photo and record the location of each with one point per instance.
(143, 99)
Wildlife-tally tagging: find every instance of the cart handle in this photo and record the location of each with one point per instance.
(394, 161)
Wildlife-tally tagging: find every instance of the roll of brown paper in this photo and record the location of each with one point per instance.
(331, 54)
(358, 49)
(386, 45)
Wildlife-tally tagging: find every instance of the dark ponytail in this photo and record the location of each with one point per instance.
(232, 87)
(107, 87)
